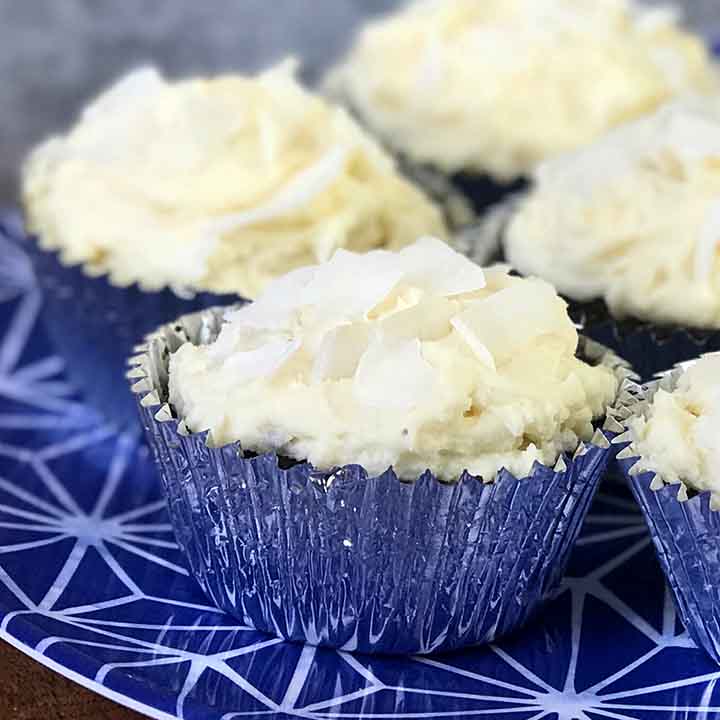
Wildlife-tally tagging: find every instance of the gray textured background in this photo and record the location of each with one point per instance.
(56, 54)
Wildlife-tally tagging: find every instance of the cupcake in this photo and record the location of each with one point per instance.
(488, 90)
(629, 229)
(673, 464)
(389, 452)
(166, 195)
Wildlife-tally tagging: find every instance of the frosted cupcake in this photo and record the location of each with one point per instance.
(492, 88)
(389, 452)
(673, 463)
(165, 192)
(629, 229)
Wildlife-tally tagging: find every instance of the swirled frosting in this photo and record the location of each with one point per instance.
(417, 359)
(497, 86)
(633, 218)
(679, 437)
(216, 184)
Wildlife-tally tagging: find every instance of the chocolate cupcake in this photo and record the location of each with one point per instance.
(629, 230)
(673, 465)
(167, 197)
(390, 452)
(485, 91)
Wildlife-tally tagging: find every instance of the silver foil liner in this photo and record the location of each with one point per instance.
(685, 529)
(362, 563)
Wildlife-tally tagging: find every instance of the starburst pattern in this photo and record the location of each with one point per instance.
(93, 585)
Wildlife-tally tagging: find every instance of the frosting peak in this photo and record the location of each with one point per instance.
(679, 438)
(416, 359)
(633, 218)
(216, 184)
(434, 77)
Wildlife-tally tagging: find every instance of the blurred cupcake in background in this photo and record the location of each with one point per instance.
(629, 229)
(673, 465)
(171, 196)
(487, 90)
(389, 452)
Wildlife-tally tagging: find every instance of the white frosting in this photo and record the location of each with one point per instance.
(633, 218)
(417, 359)
(679, 439)
(497, 86)
(216, 184)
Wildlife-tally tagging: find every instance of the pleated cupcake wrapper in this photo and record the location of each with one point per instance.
(362, 563)
(685, 529)
(650, 348)
(94, 325)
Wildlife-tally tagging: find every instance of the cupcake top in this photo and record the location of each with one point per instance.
(216, 184)
(633, 219)
(679, 436)
(417, 359)
(455, 82)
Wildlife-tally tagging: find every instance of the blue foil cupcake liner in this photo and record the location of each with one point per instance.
(648, 347)
(685, 532)
(484, 192)
(362, 563)
(94, 325)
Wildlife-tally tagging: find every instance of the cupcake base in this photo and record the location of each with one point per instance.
(649, 348)
(94, 327)
(685, 530)
(483, 192)
(361, 563)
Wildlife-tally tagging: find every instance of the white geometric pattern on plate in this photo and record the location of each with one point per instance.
(92, 584)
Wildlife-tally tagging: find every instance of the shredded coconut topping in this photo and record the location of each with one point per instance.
(217, 184)
(434, 77)
(416, 359)
(633, 218)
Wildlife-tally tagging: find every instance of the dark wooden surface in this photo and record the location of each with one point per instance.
(29, 691)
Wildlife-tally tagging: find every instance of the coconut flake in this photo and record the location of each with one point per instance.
(125, 92)
(393, 374)
(466, 332)
(340, 351)
(301, 190)
(708, 244)
(268, 138)
(434, 266)
(350, 285)
(276, 308)
(262, 362)
(653, 20)
(690, 128)
(513, 318)
(428, 320)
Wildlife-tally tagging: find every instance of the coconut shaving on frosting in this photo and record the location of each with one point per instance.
(416, 360)
(216, 184)
(497, 86)
(633, 219)
(679, 438)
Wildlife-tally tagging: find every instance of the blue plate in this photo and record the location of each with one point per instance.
(93, 586)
